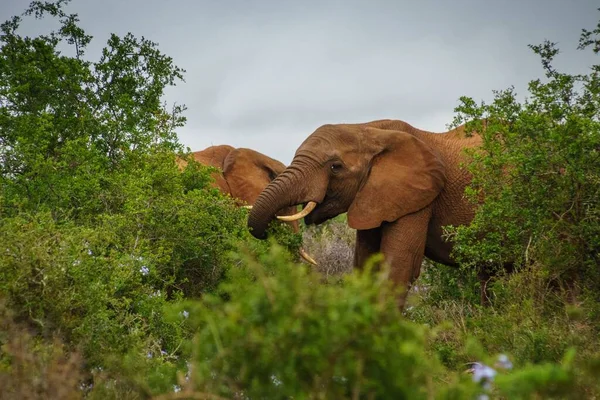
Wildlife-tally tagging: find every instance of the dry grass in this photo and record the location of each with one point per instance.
(34, 369)
(332, 246)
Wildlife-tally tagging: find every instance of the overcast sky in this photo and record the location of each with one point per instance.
(265, 74)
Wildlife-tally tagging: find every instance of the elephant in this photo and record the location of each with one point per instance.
(399, 186)
(243, 174)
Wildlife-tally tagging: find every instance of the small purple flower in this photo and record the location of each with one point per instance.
(484, 375)
(185, 313)
(145, 270)
(504, 362)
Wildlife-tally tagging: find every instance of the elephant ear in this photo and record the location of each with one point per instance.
(215, 156)
(405, 176)
(247, 173)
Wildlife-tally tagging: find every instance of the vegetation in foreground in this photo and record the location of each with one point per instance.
(123, 277)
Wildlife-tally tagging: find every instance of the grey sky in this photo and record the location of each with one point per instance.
(265, 74)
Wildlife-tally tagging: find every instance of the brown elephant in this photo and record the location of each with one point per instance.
(398, 184)
(243, 174)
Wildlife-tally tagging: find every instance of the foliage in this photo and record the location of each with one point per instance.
(537, 331)
(289, 336)
(67, 125)
(539, 172)
(99, 227)
(442, 283)
(537, 188)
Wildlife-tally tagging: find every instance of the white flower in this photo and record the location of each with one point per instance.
(276, 381)
(176, 388)
(145, 270)
(86, 386)
(187, 372)
(185, 313)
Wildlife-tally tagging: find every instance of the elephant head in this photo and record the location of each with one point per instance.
(398, 185)
(243, 175)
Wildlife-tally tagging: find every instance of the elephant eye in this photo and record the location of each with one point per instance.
(272, 175)
(336, 167)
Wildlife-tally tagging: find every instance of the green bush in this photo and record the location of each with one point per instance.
(539, 173)
(288, 336)
(280, 333)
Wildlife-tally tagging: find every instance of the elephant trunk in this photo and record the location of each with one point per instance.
(273, 198)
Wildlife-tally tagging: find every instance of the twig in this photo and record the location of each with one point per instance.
(527, 251)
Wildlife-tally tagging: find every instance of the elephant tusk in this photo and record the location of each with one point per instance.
(307, 210)
(306, 257)
(248, 207)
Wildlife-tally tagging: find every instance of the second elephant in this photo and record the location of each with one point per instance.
(243, 175)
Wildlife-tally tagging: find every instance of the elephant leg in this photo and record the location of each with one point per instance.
(403, 246)
(367, 243)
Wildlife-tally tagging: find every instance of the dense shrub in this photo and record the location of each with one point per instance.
(539, 173)
(288, 336)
